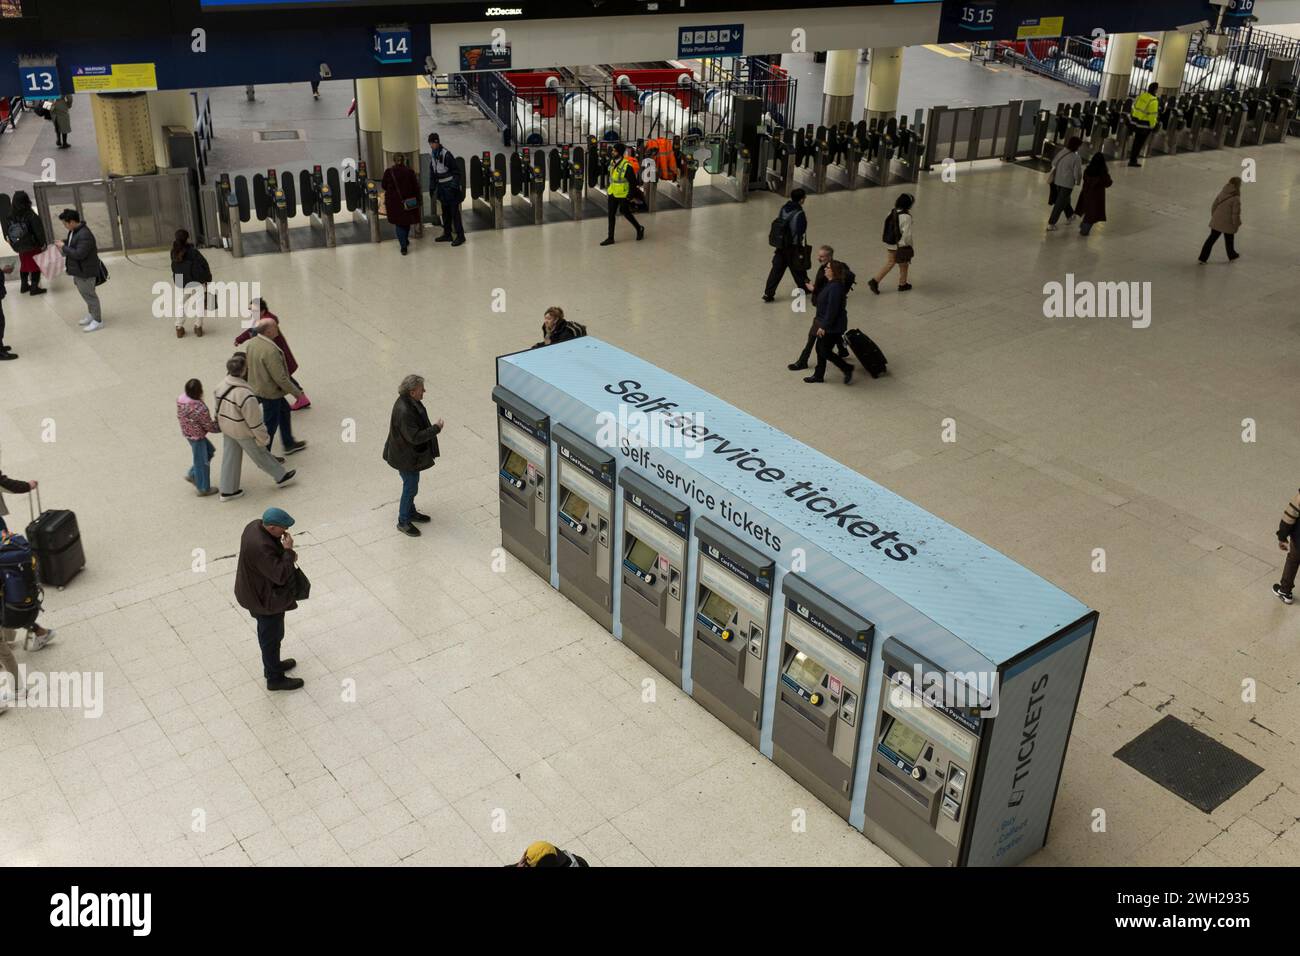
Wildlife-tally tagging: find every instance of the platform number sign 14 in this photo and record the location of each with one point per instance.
(393, 44)
(39, 82)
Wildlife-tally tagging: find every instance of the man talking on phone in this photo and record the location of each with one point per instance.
(264, 587)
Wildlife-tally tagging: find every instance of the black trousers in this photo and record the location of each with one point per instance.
(2, 321)
(1214, 237)
(617, 206)
(783, 259)
(812, 343)
(449, 212)
(1290, 567)
(270, 632)
(826, 353)
(1140, 134)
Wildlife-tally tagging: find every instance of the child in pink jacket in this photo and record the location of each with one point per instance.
(196, 424)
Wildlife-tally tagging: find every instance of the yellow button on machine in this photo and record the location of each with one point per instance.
(726, 634)
(815, 699)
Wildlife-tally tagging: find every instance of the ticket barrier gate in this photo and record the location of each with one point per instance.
(909, 156)
(1214, 125)
(733, 604)
(1237, 125)
(780, 167)
(825, 660)
(231, 224)
(1277, 121)
(920, 794)
(1166, 135)
(815, 153)
(598, 159)
(652, 612)
(320, 200)
(272, 201)
(585, 528)
(568, 181)
(682, 189)
(523, 454)
(1189, 134)
(528, 184)
(487, 186)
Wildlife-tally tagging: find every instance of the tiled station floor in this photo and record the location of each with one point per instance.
(490, 712)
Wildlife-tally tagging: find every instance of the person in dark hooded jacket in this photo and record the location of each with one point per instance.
(26, 235)
(825, 254)
(555, 328)
(191, 272)
(411, 448)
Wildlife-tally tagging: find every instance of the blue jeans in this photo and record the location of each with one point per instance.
(275, 413)
(270, 632)
(403, 235)
(410, 488)
(203, 450)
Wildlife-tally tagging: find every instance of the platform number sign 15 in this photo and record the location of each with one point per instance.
(977, 16)
(39, 82)
(393, 44)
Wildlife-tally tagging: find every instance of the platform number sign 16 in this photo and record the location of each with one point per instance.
(39, 82)
(393, 44)
(977, 16)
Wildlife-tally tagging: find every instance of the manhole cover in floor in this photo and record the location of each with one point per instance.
(270, 134)
(1186, 762)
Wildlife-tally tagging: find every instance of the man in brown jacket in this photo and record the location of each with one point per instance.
(264, 587)
(268, 375)
(1287, 533)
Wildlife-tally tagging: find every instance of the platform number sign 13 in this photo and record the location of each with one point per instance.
(39, 82)
(393, 44)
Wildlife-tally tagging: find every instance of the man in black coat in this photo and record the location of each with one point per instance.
(825, 254)
(446, 189)
(786, 255)
(411, 447)
(264, 587)
(832, 321)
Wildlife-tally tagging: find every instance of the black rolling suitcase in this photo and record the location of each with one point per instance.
(867, 351)
(56, 542)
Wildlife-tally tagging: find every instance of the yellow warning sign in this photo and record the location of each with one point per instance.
(114, 77)
(1036, 27)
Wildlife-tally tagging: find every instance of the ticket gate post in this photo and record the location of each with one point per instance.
(523, 454)
(598, 173)
(585, 545)
(1215, 128)
(682, 190)
(653, 579)
(531, 196)
(824, 665)
(322, 213)
(1236, 125)
(733, 605)
(781, 168)
(1189, 136)
(570, 196)
(907, 159)
(920, 798)
(372, 209)
(491, 202)
(277, 220)
(735, 179)
(234, 227)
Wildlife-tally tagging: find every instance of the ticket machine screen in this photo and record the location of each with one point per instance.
(805, 671)
(641, 556)
(515, 466)
(574, 507)
(718, 609)
(904, 741)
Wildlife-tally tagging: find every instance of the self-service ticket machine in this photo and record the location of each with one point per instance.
(825, 659)
(654, 574)
(920, 795)
(523, 443)
(733, 605)
(585, 546)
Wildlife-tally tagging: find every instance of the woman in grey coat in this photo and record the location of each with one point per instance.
(59, 111)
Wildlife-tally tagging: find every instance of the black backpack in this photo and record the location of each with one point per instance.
(893, 231)
(17, 231)
(778, 234)
(579, 330)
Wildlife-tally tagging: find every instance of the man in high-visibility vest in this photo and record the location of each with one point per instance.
(621, 172)
(1146, 112)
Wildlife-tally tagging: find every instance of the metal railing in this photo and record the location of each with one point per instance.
(1071, 60)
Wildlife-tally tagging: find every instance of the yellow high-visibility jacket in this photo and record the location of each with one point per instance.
(1146, 109)
(618, 184)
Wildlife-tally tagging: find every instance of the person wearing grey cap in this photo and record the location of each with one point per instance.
(264, 587)
(87, 271)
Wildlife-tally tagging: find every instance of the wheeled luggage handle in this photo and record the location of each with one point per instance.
(39, 509)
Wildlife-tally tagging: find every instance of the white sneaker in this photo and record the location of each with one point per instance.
(93, 326)
(36, 642)
(85, 320)
(1051, 227)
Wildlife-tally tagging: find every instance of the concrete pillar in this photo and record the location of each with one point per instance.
(168, 108)
(883, 78)
(368, 125)
(1118, 66)
(400, 117)
(123, 133)
(840, 84)
(1171, 61)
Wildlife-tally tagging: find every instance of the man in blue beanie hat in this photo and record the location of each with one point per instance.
(264, 586)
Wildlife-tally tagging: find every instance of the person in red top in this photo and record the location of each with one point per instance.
(262, 311)
(196, 424)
